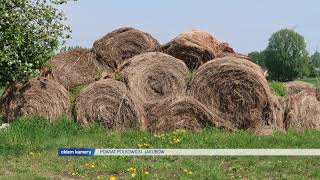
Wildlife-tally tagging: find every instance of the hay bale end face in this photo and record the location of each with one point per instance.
(302, 111)
(181, 113)
(108, 102)
(75, 67)
(236, 88)
(154, 76)
(121, 44)
(194, 48)
(38, 96)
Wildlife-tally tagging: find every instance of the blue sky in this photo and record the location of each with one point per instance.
(245, 24)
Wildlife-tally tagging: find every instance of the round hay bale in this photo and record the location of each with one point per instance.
(107, 101)
(302, 111)
(121, 44)
(181, 113)
(154, 76)
(38, 96)
(237, 89)
(225, 47)
(75, 67)
(225, 50)
(194, 48)
(295, 87)
(278, 106)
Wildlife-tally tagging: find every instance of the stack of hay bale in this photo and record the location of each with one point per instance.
(129, 80)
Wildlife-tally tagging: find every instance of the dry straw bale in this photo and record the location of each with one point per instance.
(108, 102)
(75, 67)
(278, 106)
(194, 48)
(225, 50)
(121, 44)
(302, 111)
(38, 96)
(237, 89)
(295, 87)
(181, 113)
(154, 76)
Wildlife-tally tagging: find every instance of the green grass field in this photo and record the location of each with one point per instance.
(28, 149)
(315, 81)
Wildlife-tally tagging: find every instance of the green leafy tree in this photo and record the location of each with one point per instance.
(315, 64)
(315, 59)
(30, 32)
(258, 58)
(286, 56)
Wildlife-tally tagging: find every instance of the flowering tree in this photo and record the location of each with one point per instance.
(30, 32)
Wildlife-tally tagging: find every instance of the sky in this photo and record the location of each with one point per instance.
(245, 24)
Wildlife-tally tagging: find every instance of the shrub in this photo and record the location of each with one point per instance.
(30, 32)
(278, 88)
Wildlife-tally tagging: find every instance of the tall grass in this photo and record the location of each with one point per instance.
(1, 90)
(278, 88)
(37, 133)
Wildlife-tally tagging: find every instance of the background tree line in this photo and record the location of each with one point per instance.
(286, 57)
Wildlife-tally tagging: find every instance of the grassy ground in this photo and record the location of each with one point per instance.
(28, 149)
(315, 81)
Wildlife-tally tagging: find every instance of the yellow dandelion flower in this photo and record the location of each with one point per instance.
(185, 170)
(190, 172)
(92, 166)
(112, 178)
(180, 131)
(73, 174)
(131, 169)
(146, 173)
(133, 175)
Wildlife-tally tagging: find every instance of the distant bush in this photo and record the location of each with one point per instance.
(69, 48)
(278, 88)
(258, 58)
